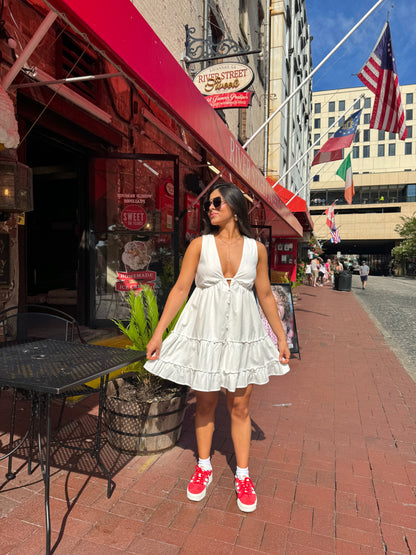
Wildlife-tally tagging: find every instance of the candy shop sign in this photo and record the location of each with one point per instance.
(223, 78)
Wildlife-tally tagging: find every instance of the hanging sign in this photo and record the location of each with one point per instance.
(230, 100)
(221, 78)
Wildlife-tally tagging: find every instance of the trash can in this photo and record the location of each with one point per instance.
(344, 281)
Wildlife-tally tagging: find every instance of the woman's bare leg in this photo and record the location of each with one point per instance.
(206, 402)
(238, 406)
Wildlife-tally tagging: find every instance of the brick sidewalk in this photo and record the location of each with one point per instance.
(333, 456)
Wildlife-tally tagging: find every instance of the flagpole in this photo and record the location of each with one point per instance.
(311, 147)
(347, 36)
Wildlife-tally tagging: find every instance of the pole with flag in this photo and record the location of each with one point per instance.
(330, 216)
(335, 237)
(345, 173)
(332, 149)
(379, 74)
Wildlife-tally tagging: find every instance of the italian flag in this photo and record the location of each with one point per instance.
(345, 173)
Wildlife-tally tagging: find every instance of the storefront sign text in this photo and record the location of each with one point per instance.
(222, 78)
(230, 100)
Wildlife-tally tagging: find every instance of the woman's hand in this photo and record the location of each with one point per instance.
(153, 348)
(284, 352)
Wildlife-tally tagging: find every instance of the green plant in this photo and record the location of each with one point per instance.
(144, 317)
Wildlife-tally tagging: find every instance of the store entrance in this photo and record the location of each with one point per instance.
(55, 259)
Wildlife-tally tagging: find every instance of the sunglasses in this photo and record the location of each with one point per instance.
(216, 202)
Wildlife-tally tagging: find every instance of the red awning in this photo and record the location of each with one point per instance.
(297, 205)
(126, 39)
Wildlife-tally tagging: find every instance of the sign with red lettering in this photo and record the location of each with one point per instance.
(230, 100)
(133, 217)
(220, 78)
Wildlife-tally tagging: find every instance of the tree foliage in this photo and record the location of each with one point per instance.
(407, 231)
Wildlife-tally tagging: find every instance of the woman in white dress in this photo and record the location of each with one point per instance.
(219, 340)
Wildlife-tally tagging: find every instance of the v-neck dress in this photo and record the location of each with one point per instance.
(219, 340)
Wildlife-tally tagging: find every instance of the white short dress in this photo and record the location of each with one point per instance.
(219, 340)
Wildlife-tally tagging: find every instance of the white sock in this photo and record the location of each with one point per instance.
(205, 464)
(241, 473)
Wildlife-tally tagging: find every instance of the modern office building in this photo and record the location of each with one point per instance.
(384, 174)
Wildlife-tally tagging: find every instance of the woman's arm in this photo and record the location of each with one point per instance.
(177, 296)
(268, 303)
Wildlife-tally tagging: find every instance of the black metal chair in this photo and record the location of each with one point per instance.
(30, 323)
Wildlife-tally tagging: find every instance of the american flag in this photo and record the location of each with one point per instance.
(330, 216)
(335, 238)
(379, 74)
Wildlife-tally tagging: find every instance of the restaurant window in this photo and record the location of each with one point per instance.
(392, 149)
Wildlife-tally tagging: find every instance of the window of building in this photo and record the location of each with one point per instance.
(366, 118)
(409, 98)
(315, 152)
(331, 120)
(366, 151)
(316, 137)
(367, 102)
(357, 137)
(408, 148)
(380, 150)
(409, 131)
(411, 193)
(317, 107)
(317, 123)
(392, 149)
(381, 135)
(366, 135)
(316, 178)
(392, 136)
(341, 105)
(357, 104)
(409, 115)
(331, 107)
(355, 151)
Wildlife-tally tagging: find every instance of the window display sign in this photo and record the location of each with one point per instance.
(133, 217)
(192, 218)
(165, 204)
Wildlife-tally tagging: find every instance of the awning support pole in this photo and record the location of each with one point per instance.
(309, 77)
(29, 49)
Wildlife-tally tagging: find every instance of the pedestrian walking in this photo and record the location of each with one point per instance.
(364, 273)
(219, 340)
(321, 272)
(314, 268)
(308, 273)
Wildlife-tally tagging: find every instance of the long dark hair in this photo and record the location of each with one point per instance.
(238, 204)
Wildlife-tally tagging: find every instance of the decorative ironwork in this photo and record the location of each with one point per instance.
(203, 50)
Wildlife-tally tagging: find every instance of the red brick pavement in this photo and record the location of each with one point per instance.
(333, 458)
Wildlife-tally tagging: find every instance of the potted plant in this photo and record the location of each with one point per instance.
(143, 413)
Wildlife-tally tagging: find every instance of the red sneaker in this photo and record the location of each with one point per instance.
(197, 487)
(246, 496)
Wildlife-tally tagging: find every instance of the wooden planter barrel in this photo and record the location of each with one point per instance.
(138, 428)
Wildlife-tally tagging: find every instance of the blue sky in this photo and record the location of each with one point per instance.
(330, 21)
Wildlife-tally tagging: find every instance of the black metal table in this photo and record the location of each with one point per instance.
(49, 368)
